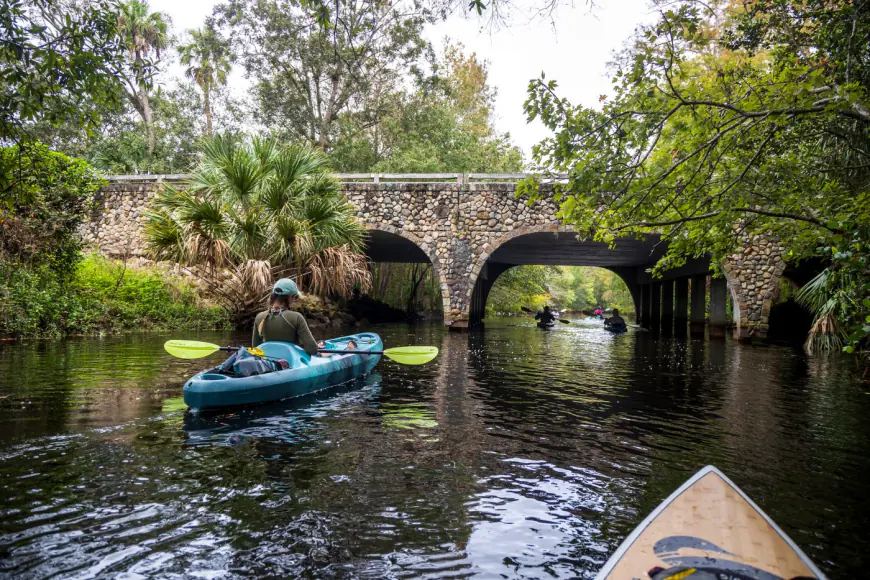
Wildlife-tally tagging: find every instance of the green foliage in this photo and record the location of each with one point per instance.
(575, 288)
(101, 296)
(121, 146)
(445, 125)
(840, 297)
(55, 64)
(207, 58)
(307, 76)
(142, 32)
(518, 287)
(408, 287)
(747, 119)
(256, 211)
(44, 206)
(45, 287)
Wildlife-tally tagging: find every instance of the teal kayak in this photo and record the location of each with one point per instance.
(210, 389)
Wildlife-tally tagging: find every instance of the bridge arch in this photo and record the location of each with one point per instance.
(386, 243)
(552, 244)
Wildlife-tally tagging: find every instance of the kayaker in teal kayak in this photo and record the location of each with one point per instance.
(281, 323)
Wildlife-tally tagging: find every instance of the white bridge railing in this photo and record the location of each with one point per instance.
(367, 177)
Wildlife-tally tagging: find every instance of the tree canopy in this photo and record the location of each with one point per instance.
(53, 62)
(726, 120)
(445, 124)
(207, 59)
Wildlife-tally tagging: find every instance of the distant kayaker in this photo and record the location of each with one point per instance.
(546, 317)
(281, 323)
(615, 319)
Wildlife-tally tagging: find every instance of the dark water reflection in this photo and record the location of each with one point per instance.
(518, 453)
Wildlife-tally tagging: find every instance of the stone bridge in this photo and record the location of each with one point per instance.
(472, 227)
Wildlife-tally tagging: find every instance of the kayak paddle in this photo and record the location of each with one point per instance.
(194, 349)
(406, 355)
(530, 311)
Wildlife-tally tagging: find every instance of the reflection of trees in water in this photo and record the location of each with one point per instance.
(53, 386)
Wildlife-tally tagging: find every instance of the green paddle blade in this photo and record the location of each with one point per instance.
(412, 355)
(190, 348)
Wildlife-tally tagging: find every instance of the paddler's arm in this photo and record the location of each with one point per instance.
(303, 335)
(257, 338)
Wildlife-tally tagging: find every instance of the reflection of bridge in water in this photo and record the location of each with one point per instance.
(473, 227)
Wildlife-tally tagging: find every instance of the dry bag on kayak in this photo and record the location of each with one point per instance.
(244, 364)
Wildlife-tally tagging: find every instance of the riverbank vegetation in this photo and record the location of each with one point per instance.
(48, 288)
(101, 296)
(728, 121)
(255, 211)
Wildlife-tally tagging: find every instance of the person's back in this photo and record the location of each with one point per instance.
(615, 319)
(279, 323)
(284, 326)
(546, 317)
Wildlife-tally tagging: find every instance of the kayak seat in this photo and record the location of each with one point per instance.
(293, 354)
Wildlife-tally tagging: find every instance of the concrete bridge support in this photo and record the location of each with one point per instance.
(718, 301)
(668, 307)
(698, 316)
(645, 306)
(681, 299)
(655, 303)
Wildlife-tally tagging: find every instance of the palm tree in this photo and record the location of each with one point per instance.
(255, 211)
(207, 58)
(142, 32)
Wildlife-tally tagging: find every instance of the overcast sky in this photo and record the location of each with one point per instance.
(574, 51)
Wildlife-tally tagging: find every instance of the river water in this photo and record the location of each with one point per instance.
(516, 453)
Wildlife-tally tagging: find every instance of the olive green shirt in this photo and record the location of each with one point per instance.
(288, 326)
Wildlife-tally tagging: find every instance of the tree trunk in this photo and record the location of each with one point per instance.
(149, 122)
(417, 276)
(207, 103)
(145, 111)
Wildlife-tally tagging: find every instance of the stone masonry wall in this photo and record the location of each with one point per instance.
(458, 226)
(753, 275)
(116, 219)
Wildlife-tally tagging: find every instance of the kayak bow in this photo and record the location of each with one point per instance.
(708, 528)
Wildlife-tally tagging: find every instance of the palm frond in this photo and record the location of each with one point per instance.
(164, 236)
(336, 271)
(254, 208)
(250, 234)
(818, 296)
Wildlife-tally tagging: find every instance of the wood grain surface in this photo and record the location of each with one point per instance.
(713, 511)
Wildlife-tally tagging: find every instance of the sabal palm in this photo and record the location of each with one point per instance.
(142, 32)
(255, 211)
(207, 59)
